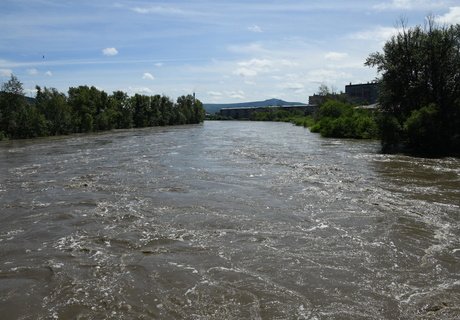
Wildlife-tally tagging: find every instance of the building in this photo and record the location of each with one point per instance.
(363, 93)
(317, 99)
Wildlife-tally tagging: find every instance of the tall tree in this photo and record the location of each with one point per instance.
(11, 101)
(420, 88)
(53, 105)
(123, 113)
(18, 119)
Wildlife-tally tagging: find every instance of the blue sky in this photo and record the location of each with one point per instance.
(225, 51)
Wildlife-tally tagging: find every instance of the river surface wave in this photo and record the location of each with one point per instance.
(226, 220)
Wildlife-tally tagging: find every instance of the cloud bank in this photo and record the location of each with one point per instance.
(451, 17)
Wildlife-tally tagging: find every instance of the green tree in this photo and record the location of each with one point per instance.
(53, 105)
(198, 111)
(104, 117)
(19, 119)
(13, 86)
(11, 102)
(155, 113)
(420, 127)
(190, 109)
(166, 110)
(89, 106)
(141, 108)
(122, 110)
(79, 99)
(420, 69)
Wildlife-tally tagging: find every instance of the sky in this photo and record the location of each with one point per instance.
(225, 51)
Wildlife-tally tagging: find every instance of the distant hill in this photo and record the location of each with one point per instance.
(215, 107)
(31, 100)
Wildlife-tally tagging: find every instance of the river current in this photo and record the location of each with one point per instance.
(226, 220)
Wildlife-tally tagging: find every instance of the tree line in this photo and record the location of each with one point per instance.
(87, 109)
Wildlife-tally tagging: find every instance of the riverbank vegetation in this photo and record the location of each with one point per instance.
(420, 89)
(87, 109)
(335, 118)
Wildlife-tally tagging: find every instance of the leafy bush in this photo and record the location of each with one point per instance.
(304, 121)
(338, 119)
(422, 129)
(335, 109)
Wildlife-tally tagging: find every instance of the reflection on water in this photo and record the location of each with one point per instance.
(226, 220)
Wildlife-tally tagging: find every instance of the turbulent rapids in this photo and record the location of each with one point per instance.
(226, 220)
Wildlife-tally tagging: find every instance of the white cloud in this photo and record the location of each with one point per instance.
(327, 75)
(253, 67)
(6, 72)
(256, 63)
(451, 17)
(110, 52)
(218, 95)
(158, 10)
(32, 71)
(214, 94)
(245, 72)
(159, 64)
(378, 34)
(252, 48)
(140, 90)
(236, 94)
(30, 92)
(255, 28)
(410, 5)
(296, 86)
(335, 56)
(48, 73)
(288, 63)
(148, 76)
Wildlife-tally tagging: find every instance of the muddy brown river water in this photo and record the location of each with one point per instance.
(226, 220)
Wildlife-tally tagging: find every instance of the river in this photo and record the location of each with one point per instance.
(226, 220)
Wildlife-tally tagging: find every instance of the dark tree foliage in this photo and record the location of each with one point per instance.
(420, 89)
(17, 117)
(55, 109)
(87, 109)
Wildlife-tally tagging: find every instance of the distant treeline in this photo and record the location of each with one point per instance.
(87, 109)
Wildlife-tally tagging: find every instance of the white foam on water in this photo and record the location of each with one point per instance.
(10, 235)
(184, 267)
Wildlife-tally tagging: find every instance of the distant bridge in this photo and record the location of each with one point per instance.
(245, 113)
